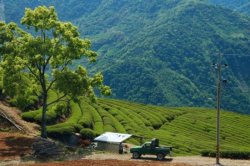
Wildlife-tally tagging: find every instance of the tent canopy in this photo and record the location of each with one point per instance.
(112, 137)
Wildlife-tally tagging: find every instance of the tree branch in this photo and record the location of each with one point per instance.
(47, 61)
(58, 99)
(65, 65)
(33, 73)
(50, 85)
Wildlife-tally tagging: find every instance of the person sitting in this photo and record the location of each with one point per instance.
(120, 148)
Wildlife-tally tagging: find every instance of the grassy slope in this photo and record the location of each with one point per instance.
(189, 130)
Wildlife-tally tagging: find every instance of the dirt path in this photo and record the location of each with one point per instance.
(109, 162)
(125, 160)
(14, 146)
(190, 160)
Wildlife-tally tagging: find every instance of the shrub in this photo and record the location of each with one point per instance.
(96, 116)
(235, 155)
(78, 127)
(60, 131)
(88, 133)
(86, 120)
(109, 128)
(76, 113)
(29, 116)
(24, 101)
(206, 153)
(98, 127)
(227, 154)
(68, 127)
(107, 121)
(52, 114)
(119, 128)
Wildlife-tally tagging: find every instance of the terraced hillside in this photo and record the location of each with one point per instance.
(189, 130)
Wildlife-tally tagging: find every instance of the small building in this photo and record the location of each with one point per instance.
(110, 141)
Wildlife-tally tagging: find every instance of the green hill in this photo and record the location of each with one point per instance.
(189, 130)
(161, 51)
(2, 17)
(237, 5)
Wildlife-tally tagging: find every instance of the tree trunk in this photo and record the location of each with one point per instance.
(44, 131)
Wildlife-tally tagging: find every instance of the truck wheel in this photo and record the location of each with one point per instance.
(136, 155)
(160, 156)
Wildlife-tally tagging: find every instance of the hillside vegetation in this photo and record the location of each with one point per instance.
(189, 130)
(237, 5)
(161, 51)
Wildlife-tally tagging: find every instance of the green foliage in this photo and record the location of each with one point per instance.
(70, 126)
(189, 130)
(88, 133)
(54, 112)
(87, 118)
(176, 75)
(167, 54)
(59, 132)
(30, 116)
(46, 53)
(241, 6)
(20, 87)
(227, 154)
(76, 114)
(160, 59)
(78, 128)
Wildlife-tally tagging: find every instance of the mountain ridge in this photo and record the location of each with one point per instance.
(162, 52)
(2, 15)
(236, 5)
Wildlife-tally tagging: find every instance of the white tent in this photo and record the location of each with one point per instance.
(112, 137)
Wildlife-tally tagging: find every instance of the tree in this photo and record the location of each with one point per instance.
(44, 55)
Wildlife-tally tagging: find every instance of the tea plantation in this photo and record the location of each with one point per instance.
(189, 130)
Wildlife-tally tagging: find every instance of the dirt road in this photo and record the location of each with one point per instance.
(13, 146)
(190, 160)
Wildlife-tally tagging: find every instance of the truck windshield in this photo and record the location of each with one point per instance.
(147, 145)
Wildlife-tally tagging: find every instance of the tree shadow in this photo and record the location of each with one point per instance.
(153, 158)
(16, 146)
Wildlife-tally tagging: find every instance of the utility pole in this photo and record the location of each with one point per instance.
(218, 67)
(218, 110)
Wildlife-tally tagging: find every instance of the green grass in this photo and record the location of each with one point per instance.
(71, 125)
(53, 113)
(189, 130)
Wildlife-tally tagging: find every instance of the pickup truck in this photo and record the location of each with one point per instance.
(151, 148)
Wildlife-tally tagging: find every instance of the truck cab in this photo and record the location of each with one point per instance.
(151, 148)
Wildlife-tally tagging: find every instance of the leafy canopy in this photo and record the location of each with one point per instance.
(47, 51)
(43, 57)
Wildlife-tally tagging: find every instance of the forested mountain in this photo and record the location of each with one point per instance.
(161, 51)
(237, 5)
(2, 17)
